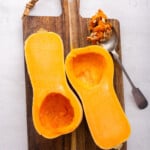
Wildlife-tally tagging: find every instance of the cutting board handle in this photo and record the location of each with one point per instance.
(64, 4)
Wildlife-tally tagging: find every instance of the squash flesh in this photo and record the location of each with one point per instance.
(55, 110)
(43, 53)
(107, 122)
(88, 70)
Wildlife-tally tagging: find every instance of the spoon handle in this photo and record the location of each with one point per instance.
(137, 94)
(139, 98)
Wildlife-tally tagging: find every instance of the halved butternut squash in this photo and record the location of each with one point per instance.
(55, 110)
(90, 71)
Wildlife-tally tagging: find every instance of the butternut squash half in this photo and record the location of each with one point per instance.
(90, 71)
(55, 109)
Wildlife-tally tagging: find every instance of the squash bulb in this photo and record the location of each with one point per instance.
(55, 110)
(90, 71)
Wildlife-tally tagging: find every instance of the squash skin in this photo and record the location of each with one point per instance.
(90, 71)
(44, 55)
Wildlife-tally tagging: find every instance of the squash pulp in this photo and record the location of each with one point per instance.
(55, 109)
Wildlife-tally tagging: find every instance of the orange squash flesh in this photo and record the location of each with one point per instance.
(90, 71)
(55, 109)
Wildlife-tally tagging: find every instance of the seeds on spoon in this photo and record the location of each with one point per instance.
(99, 27)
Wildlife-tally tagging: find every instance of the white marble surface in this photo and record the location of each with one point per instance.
(134, 18)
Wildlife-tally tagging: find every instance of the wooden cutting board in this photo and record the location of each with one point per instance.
(73, 30)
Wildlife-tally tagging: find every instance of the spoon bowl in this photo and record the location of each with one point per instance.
(111, 44)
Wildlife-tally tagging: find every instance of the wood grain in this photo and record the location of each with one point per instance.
(73, 30)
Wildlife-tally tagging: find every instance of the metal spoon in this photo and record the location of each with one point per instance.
(111, 45)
